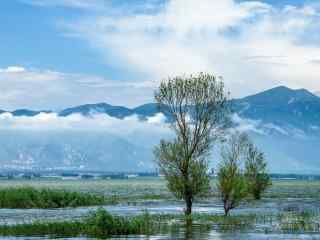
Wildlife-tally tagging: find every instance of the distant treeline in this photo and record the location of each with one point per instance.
(76, 175)
(126, 175)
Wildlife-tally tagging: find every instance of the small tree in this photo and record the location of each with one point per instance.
(196, 107)
(170, 160)
(231, 182)
(256, 174)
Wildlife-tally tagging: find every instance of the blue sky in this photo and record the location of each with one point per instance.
(68, 52)
(31, 37)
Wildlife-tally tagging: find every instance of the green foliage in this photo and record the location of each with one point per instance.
(231, 181)
(99, 224)
(196, 106)
(256, 174)
(58, 229)
(301, 222)
(170, 161)
(28, 197)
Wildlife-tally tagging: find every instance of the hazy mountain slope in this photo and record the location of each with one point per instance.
(285, 123)
(71, 150)
(102, 108)
(283, 107)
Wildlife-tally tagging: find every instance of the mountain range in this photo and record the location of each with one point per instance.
(281, 106)
(284, 122)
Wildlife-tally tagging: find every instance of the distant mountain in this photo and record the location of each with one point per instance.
(147, 110)
(280, 105)
(32, 150)
(283, 107)
(27, 113)
(284, 122)
(101, 108)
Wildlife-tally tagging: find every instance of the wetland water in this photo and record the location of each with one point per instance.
(284, 197)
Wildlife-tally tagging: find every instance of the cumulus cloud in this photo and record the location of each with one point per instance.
(224, 37)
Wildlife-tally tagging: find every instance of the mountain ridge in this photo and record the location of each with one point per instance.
(285, 123)
(280, 96)
(282, 106)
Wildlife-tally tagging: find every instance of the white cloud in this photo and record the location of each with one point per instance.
(246, 125)
(186, 36)
(158, 119)
(12, 69)
(266, 128)
(34, 88)
(126, 127)
(77, 4)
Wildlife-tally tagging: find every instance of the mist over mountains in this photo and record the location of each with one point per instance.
(285, 123)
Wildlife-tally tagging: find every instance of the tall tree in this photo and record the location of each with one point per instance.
(231, 181)
(257, 178)
(197, 107)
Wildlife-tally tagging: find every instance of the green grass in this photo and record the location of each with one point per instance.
(303, 222)
(101, 224)
(155, 188)
(98, 224)
(29, 197)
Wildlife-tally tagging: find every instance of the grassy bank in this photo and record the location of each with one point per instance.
(28, 197)
(99, 224)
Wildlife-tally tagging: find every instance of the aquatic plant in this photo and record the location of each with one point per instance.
(29, 197)
(98, 224)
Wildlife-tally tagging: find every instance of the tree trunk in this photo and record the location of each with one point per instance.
(226, 211)
(188, 209)
(257, 195)
(226, 208)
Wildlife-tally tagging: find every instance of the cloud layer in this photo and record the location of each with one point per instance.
(100, 122)
(253, 45)
(39, 89)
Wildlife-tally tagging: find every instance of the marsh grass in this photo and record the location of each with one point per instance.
(98, 224)
(101, 224)
(285, 222)
(29, 197)
(300, 222)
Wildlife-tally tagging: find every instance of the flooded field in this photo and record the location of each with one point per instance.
(288, 207)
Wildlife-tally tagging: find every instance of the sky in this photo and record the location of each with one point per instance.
(56, 54)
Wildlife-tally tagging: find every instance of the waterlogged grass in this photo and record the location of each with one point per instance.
(153, 188)
(302, 222)
(289, 206)
(28, 197)
(120, 190)
(294, 189)
(109, 187)
(99, 224)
